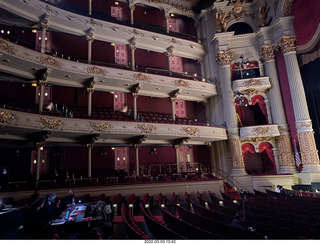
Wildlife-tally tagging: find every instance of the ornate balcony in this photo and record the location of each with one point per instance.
(259, 131)
(251, 86)
(17, 125)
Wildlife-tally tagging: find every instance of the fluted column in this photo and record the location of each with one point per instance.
(167, 17)
(90, 90)
(42, 83)
(39, 146)
(89, 146)
(170, 54)
(237, 165)
(308, 150)
(90, 7)
(90, 39)
(135, 113)
(44, 28)
(132, 8)
(176, 147)
(285, 152)
(137, 146)
(133, 47)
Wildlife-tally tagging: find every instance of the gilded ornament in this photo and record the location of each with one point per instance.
(268, 52)
(50, 61)
(6, 117)
(149, 129)
(96, 70)
(250, 92)
(256, 139)
(141, 77)
(285, 153)
(236, 154)
(224, 57)
(51, 123)
(182, 83)
(4, 46)
(287, 7)
(287, 44)
(192, 131)
(253, 82)
(261, 130)
(304, 124)
(308, 149)
(100, 126)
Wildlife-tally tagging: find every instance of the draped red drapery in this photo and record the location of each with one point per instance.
(267, 147)
(247, 147)
(239, 109)
(260, 100)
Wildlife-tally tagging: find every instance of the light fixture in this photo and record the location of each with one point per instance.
(172, 15)
(34, 31)
(111, 92)
(46, 94)
(34, 84)
(8, 32)
(112, 44)
(112, 148)
(34, 161)
(116, 3)
(68, 76)
(41, 148)
(2, 31)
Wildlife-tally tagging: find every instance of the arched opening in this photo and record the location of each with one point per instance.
(260, 163)
(240, 28)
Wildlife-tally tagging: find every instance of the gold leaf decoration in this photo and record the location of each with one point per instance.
(261, 130)
(4, 46)
(100, 126)
(182, 83)
(141, 77)
(192, 131)
(50, 61)
(96, 70)
(6, 117)
(149, 129)
(50, 123)
(253, 82)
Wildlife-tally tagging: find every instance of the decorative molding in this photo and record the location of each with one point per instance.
(96, 70)
(256, 139)
(261, 131)
(308, 149)
(307, 124)
(141, 77)
(192, 131)
(4, 46)
(50, 123)
(7, 117)
(236, 154)
(181, 83)
(50, 61)
(253, 82)
(100, 126)
(224, 57)
(149, 129)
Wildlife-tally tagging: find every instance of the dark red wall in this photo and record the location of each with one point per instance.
(149, 15)
(102, 52)
(151, 59)
(152, 104)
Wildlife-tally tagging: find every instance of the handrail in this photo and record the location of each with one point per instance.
(230, 179)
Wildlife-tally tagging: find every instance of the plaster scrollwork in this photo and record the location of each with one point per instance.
(308, 149)
(7, 117)
(250, 92)
(256, 139)
(4, 46)
(96, 70)
(253, 82)
(264, 20)
(50, 61)
(181, 83)
(149, 129)
(283, 129)
(192, 131)
(306, 125)
(224, 57)
(141, 77)
(236, 154)
(100, 126)
(287, 7)
(50, 123)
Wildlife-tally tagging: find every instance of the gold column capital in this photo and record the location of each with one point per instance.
(224, 57)
(268, 52)
(287, 44)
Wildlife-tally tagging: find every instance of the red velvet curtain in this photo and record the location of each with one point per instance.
(239, 109)
(247, 147)
(265, 146)
(260, 100)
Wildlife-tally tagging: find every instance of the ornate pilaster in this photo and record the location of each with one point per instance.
(167, 17)
(135, 93)
(132, 7)
(170, 54)
(287, 44)
(268, 53)
(237, 163)
(42, 83)
(44, 27)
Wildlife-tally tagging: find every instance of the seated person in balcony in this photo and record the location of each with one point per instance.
(238, 221)
(49, 208)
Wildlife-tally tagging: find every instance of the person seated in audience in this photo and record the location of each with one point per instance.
(67, 201)
(238, 221)
(49, 208)
(278, 188)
